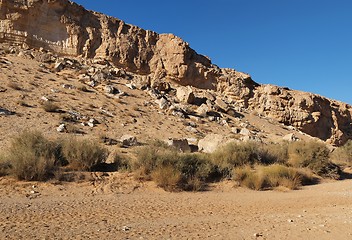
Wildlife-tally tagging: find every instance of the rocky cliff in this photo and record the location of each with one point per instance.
(65, 28)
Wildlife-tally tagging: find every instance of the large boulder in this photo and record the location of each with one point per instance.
(185, 94)
(212, 142)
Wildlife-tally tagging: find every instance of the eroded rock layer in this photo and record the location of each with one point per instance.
(66, 28)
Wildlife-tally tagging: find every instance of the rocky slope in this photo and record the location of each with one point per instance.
(65, 28)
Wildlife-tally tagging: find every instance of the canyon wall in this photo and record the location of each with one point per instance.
(66, 28)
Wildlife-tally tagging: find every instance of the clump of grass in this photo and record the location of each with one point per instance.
(83, 155)
(245, 176)
(269, 177)
(167, 177)
(312, 155)
(32, 157)
(49, 106)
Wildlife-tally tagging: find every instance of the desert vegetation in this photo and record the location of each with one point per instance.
(33, 157)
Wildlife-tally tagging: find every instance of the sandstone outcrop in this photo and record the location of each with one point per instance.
(66, 28)
(315, 115)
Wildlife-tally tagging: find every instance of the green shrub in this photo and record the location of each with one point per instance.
(152, 156)
(196, 170)
(312, 155)
(33, 157)
(235, 155)
(273, 153)
(121, 163)
(158, 162)
(83, 155)
(343, 154)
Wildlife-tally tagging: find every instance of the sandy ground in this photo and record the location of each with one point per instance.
(117, 207)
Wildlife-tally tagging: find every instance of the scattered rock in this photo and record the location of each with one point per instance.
(163, 103)
(126, 228)
(245, 132)
(129, 140)
(202, 110)
(45, 99)
(291, 137)
(191, 129)
(109, 89)
(68, 86)
(235, 130)
(5, 112)
(209, 96)
(61, 128)
(130, 86)
(59, 66)
(222, 105)
(258, 235)
(180, 144)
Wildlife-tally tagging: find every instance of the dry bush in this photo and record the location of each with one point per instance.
(245, 176)
(274, 153)
(312, 155)
(272, 176)
(5, 166)
(343, 154)
(83, 155)
(279, 175)
(149, 157)
(234, 155)
(196, 170)
(33, 157)
(167, 177)
(157, 161)
(49, 106)
(122, 163)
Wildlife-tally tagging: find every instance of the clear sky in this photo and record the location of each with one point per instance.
(300, 44)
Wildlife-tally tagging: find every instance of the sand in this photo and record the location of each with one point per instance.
(115, 206)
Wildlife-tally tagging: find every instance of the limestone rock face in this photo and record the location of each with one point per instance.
(66, 28)
(315, 115)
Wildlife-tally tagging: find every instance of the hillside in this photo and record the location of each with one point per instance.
(77, 75)
(151, 61)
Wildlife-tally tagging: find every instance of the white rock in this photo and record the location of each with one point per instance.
(180, 144)
(185, 94)
(163, 103)
(61, 128)
(210, 143)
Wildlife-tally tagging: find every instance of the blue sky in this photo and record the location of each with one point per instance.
(300, 44)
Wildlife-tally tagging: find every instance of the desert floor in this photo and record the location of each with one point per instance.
(114, 206)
